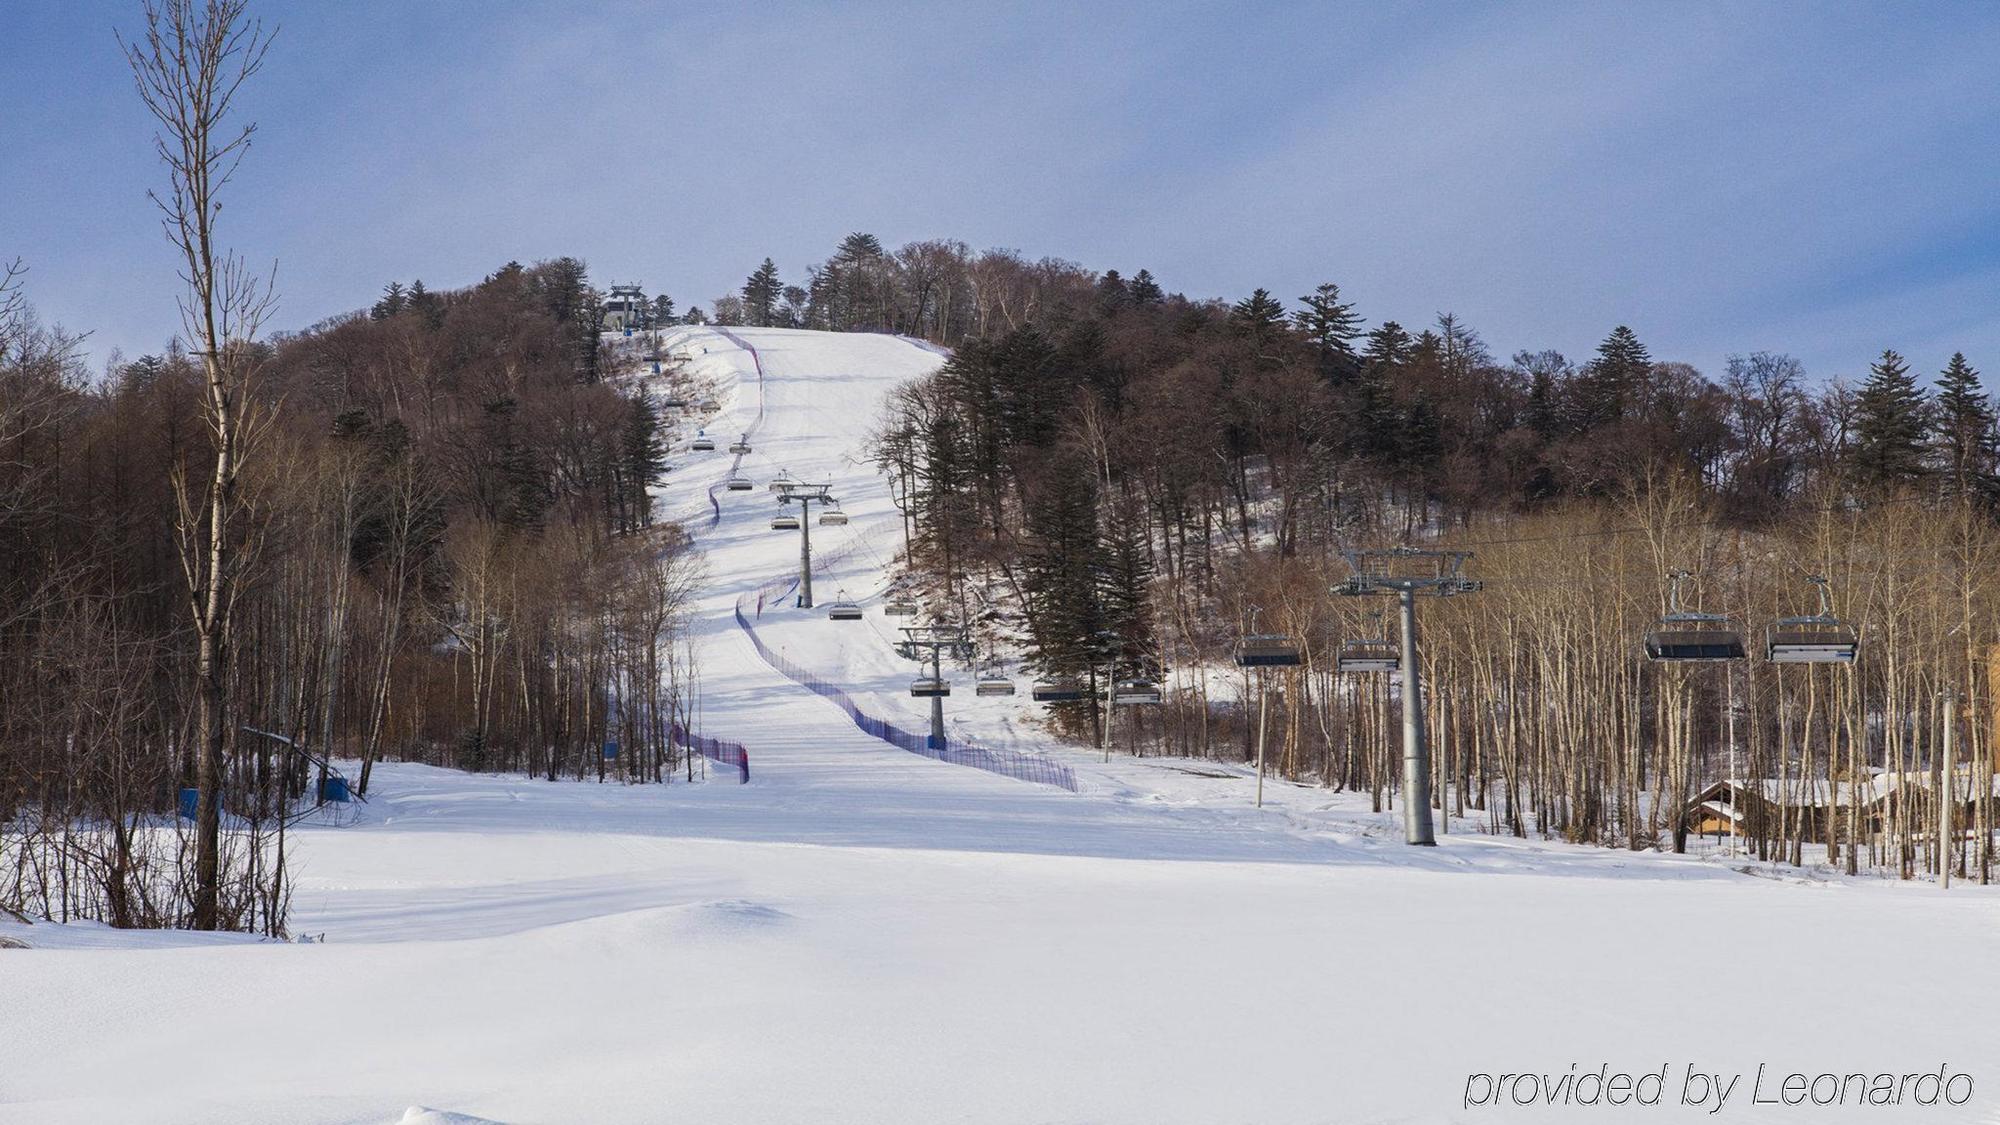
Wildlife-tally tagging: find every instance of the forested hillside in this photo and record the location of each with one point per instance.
(446, 552)
(1125, 481)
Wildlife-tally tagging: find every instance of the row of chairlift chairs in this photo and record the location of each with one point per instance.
(675, 402)
(1687, 636)
(1360, 655)
(992, 683)
(1683, 635)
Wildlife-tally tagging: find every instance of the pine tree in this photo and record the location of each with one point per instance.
(858, 247)
(643, 457)
(1063, 566)
(1259, 316)
(1124, 586)
(426, 304)
(1965, 419)
(1331, 324)
(1146, 291)
(1112, 292)
(394, 300)
(1891, 421)
(1371, 416)
(1610, 386)
(663, 309)
(1463, 350)
(761, 294)
(1388, 347)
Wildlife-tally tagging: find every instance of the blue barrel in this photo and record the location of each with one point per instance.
(190, 803)
(611, 751)
(334, 789)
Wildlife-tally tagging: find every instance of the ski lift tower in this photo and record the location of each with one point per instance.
(805, 496)
(626, 306)
(1407, 572)
(931, 642)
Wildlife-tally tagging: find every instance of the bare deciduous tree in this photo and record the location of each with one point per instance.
(189, 64)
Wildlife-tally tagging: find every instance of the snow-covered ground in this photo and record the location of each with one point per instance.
(863, 934)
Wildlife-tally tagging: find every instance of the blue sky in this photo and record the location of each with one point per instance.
(1813, 178)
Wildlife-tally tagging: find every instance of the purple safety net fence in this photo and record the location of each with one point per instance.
(919, 342)
(717, 750)
(1006, 763)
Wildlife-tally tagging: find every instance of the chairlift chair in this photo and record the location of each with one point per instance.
(930, 688)
(783, 481)
(1057, 691)
(673, 402)
(784, 523)
(1685, 636)
(843, 610)
(993, 682)
(739, 447)
(1818, 638)
(1369, 655)
(832, 517)
(738, 484)
(710, 405)
(1131, 692)
(703, 444)
(1267, 650)
(899, 609)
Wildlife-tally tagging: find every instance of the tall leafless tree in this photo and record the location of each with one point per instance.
(189, 64)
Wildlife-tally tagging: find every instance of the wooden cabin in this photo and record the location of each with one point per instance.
(1757, 803)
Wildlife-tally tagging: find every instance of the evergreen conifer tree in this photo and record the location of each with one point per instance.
(761, 294)
(394, 300)
(1112, 292)
(426, 304)
(1062, 568)
(1388, 347)
(1146, 291)
(643, 453)
(1891, 422)
(1125, 583)
(1330, 323)
(1259, 315)
(1965, 420)
(1610, 385)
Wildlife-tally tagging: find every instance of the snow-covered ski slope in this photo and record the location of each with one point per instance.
(862, 934)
